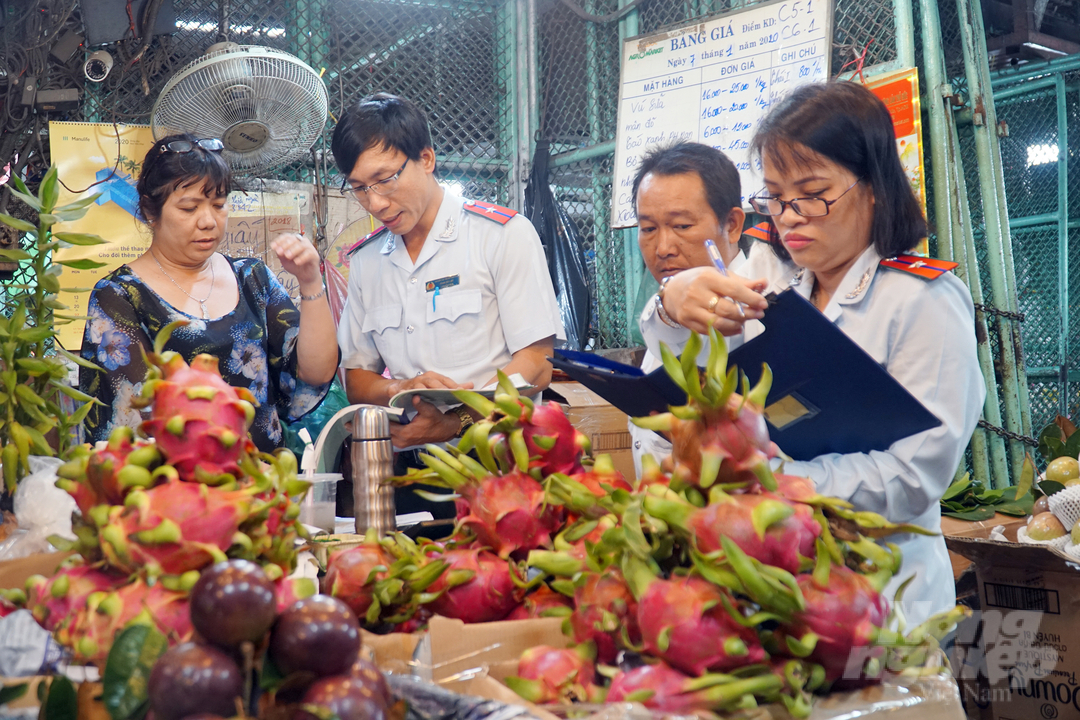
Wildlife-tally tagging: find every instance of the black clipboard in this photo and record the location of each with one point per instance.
(828, 394)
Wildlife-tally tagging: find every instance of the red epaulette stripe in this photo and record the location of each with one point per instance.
(364, 240)
(925, 267)
(497, 213)
(761, 231)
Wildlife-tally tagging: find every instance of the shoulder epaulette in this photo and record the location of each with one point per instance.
(761, 231)
(925, 267)
(366, 239)
(497, 213)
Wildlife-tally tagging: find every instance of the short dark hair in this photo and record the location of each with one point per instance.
(393, 122)
(849, 125)
(723, 189)
(163, 172)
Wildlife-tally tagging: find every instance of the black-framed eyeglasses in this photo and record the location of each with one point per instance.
(384, 187)
(186, 146)
(807, 207)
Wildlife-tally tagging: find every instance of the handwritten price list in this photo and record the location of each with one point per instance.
(712, 82)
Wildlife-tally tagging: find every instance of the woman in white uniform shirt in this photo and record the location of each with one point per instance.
(840, 203)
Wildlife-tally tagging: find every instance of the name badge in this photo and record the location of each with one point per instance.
(446, 282)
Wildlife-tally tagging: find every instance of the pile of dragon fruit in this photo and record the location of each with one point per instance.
(715, 586)
(157, 510)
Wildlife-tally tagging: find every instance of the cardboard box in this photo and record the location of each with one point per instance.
(13, 573)
(1018, 657)
(951, 527)
(605, 425)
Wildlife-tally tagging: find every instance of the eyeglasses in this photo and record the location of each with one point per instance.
(186, 146)
(807, 207)
(384, 187)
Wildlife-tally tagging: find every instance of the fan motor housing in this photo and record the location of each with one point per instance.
(246, 136)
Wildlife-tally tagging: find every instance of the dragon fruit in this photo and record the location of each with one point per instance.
(105, 476)
(543, 602)
(552, 443)
(475, 587)
(199, 421)
(844, 615)
(504, 507)
(685, 622)
(660, 687)
(605, 613)
(547, 675)
(764, 526)
(173, 528)
(719, 436)
(359, 576)
(94, 626)
(54, 601)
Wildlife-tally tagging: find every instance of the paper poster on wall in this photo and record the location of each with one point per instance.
(712, 82)
(84, 154)
(900, 93)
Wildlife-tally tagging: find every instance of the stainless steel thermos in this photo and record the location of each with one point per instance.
(372, 458)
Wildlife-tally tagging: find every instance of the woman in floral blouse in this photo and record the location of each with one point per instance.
(235, 308)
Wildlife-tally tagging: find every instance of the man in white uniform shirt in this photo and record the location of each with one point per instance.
(685, 194)
(444, 294)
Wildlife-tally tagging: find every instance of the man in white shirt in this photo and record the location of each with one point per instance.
(684, 195)
(445, 293)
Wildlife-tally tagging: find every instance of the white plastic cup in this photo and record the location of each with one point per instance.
(319, 505)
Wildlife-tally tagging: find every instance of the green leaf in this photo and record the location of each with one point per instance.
(71, 392)
(1027, 477)
(982, 513)
(62, 702)
(12, 692)
(80, 239)
(1050, 442)
(989, 497)
(78, 204)
(127, 669)
(1072, 445)
(51, 283)
(78, 360)
(79, 415)
(84, 264)
(70, 215)
(15, 255)
(18, 224)
(48, 218)
(1018, 508)
(24, 195)
(957, 487)
(35, 334)
(50, 188)
(271, 677)
(1049, 487)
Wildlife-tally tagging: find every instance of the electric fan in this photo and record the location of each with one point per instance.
(268, 107)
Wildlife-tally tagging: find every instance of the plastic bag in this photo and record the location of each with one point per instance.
(562, 242)
(41, 508)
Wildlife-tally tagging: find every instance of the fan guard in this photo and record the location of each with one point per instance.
(268, 107)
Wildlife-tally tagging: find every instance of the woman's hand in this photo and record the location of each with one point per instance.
(300, 259)
(701, 297)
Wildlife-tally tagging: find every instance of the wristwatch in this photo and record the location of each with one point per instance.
(659, 300)
(466, 419)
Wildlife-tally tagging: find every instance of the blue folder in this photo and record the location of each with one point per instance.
(828, 395)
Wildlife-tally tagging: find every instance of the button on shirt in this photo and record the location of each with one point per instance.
(923, 333)
(494, 297)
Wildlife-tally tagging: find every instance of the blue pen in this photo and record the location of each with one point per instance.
(718, 262)
(433, 298)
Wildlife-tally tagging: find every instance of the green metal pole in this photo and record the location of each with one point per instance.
(992, 189)
(506, 87)
(948, 201)
(607, 287)
(522, 102)
(904, 19)
(1063, 235)
(633, 263)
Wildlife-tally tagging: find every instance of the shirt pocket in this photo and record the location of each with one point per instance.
(457, 323)
(384, 324)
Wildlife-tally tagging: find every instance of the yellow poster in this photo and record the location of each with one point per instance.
(103, 159)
